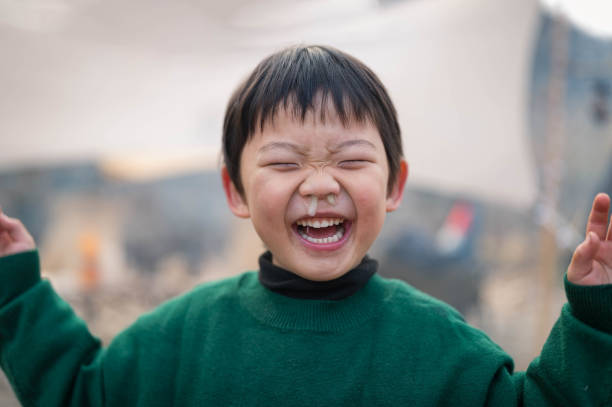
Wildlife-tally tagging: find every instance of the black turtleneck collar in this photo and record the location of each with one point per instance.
(289, 284)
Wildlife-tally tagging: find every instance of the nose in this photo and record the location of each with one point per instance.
(319, 184)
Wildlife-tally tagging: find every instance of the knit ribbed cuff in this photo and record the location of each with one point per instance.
(18, 272)
(591, 304)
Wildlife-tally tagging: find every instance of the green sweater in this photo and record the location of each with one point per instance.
(234, 343)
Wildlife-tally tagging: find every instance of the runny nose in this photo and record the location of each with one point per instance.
(320, 185)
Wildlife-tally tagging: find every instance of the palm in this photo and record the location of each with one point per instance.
(11, 247)
(601, 272)
(592, 260)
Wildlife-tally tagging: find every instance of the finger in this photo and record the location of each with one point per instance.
(582, 260)
(14, 227)
(609, 234)
(598, 218)
(5, 238)
(5, 241)
(6, 222)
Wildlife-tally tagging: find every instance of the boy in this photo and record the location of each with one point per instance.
(313, 157)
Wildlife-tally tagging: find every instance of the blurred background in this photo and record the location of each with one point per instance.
(110, 128)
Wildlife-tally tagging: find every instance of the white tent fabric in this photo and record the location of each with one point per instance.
(111, 80)
(592, 16)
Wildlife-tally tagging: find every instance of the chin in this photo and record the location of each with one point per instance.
(318, 265)
(325, 270)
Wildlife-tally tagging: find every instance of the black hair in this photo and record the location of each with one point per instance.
(294, 78)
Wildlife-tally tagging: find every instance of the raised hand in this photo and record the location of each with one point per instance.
(14, 237)
(592, 260)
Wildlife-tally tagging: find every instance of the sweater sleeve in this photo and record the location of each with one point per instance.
(575, 365)
(46, 351)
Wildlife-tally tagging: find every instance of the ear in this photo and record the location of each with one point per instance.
(397, 191)
(235, 200)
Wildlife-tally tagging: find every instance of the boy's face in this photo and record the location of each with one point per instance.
(287, 164)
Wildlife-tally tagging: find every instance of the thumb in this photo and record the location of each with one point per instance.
(582, 261)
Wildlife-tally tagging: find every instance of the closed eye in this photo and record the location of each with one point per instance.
(283, 166)
(353, 164)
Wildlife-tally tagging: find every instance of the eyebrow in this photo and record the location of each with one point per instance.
(283, 145)
(350, 143)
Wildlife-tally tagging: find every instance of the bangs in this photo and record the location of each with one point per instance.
(310, 78)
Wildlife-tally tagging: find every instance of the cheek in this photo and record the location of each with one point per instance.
(370, 206)
(369, 195)
(269, 198)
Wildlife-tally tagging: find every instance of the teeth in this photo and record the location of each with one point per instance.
(330, 239)
(320, 223)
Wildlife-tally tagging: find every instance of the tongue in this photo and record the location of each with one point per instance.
(321, 233)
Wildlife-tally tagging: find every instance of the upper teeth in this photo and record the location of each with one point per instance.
(320, 223)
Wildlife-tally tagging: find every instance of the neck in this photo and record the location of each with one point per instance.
(291, 285)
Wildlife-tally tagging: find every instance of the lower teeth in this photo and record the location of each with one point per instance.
(337, 236)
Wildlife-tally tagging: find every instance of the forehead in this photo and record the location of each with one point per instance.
(320, 124)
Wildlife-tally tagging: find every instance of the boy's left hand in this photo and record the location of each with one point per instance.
(592, 261)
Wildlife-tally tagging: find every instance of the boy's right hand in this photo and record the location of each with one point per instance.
(14, 237)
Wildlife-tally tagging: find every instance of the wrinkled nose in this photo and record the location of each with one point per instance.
(319, 184)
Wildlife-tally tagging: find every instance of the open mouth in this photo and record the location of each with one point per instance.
(322, 231)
